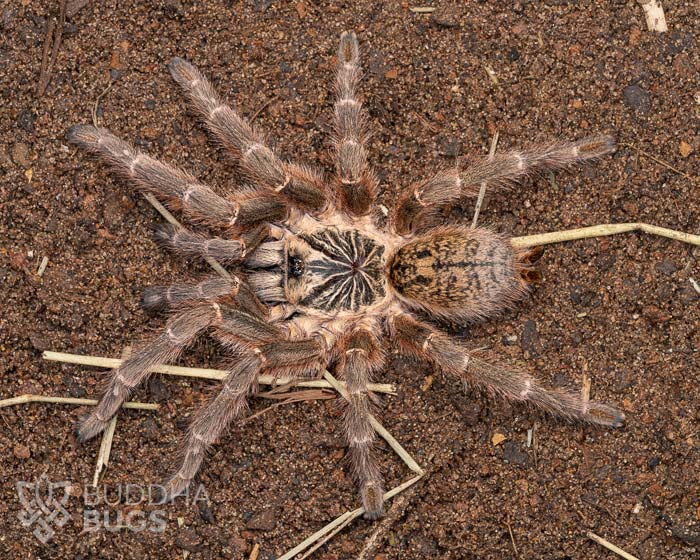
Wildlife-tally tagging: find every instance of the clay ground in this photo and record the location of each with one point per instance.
(623, 310)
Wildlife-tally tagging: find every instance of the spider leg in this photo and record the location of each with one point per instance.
(231, 401)
(425, 342)
(180, 330)
(177, 187)
(189, 244)
(157, 298)
(357, 181)
(361, 357)
(419, 201)
(301, 185)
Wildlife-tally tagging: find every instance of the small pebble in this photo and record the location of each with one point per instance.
(666, 266)
(529, 338)
(20, 154)
(25, 120)
(21, 451)
(447, 15)
(264, 521)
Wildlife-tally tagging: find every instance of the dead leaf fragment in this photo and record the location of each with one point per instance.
(391, 74)
(427, 383)
(302, 10)
(685, 149)
(497, 438)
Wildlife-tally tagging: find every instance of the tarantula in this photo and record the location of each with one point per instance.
(318, 282)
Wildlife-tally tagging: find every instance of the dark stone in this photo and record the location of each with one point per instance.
(448, 146)
(447, 15)
(173, 9)
(529, 338)
(653, 462)
(512, 454)
(150, 429)
(265, 520)
(513, 54)
(468, 410)
(159, 391)
(637, 98)
(187, 539)
(205, 511)
(666, 266)
(25, 120)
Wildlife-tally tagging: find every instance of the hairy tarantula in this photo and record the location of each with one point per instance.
(317, 281)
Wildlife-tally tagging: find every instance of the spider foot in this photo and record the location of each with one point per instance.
(603, 415)
(373, 500)
(88, 427)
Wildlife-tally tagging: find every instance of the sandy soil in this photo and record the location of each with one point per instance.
(622, 310)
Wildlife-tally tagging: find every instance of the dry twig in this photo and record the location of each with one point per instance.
(659, 161)
(47, 63)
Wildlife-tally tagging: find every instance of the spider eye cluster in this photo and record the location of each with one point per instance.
(295, 267)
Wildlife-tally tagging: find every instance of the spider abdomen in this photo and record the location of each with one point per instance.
(459, 273)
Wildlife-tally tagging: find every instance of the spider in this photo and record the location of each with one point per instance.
(321, 278)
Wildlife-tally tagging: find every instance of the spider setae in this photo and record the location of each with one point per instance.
(319, 278)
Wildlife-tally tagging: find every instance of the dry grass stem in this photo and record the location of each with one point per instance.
(289, 398)
(617, 550)
(512, 538)
(28, 398)
(105, 449)
(349, 519)
(42, 266)
(482, 189)
(694, 284)
(422, 9)
(601, 231)
(397, 509)
(254, 553)
(344, 520)
(204, 373)
(327, 532)
(659, 161)
(586, 388)
(97, 103)
(263, 107)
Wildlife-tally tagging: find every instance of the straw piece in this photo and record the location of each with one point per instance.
(105, 449)
(601, 231)
(607, 544)
(27, 398)
(343, 520)
(205, 373)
